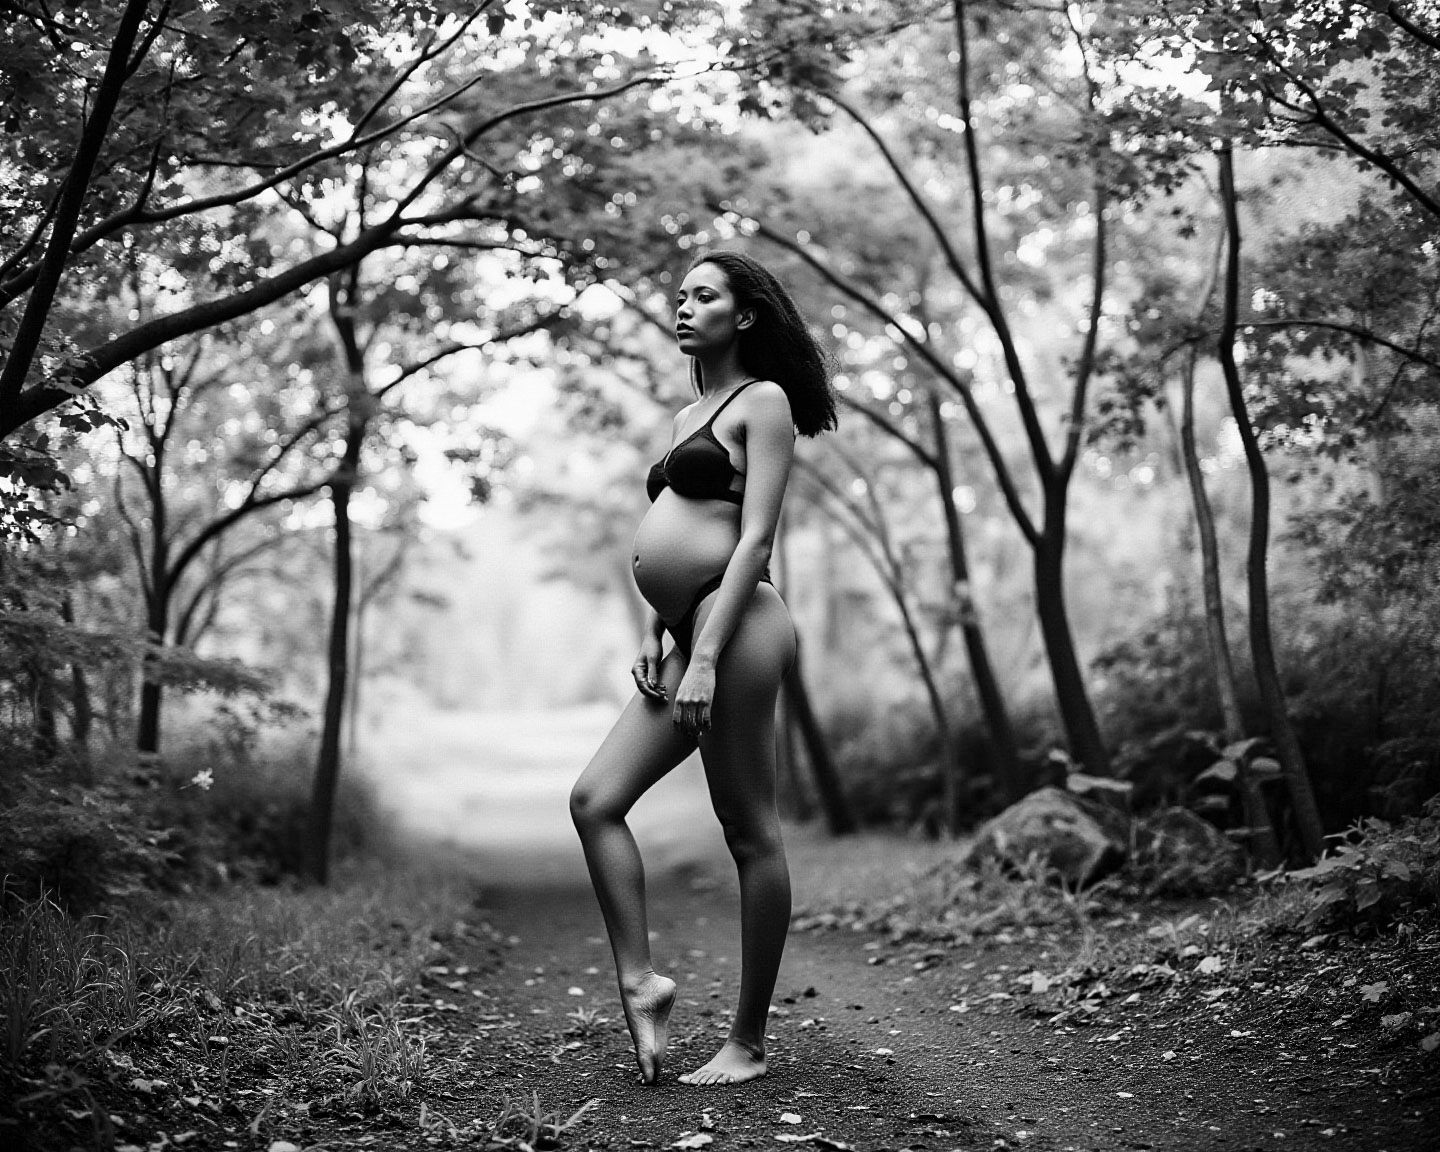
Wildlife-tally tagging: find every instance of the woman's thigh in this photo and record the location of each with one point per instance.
(643, 746)
(739, 749)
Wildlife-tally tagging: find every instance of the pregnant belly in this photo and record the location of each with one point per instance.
(680, 544)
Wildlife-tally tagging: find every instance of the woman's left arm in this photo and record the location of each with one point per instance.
(769, 448)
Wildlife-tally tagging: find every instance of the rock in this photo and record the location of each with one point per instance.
(1078, 840)
(1180, 853)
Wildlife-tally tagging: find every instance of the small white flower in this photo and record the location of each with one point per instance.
(204, 779)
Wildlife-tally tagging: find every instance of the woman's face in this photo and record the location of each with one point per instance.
(706, 317)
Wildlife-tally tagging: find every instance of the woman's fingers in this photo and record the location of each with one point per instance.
(692, 716)
(646, 681)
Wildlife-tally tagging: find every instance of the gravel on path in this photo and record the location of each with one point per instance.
(877, 1045)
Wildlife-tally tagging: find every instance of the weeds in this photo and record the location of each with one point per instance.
(587, 1021)
(207, 995)
(525, 1124)
(388, 1064)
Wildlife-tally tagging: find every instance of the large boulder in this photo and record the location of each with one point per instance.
(1077, 840)
(1179, 853)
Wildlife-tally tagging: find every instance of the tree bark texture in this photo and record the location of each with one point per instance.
(342, 486)
(1262, 648)
(32, 322)
(839, 819)
(158, 588)
(1003, 747)
(1217, 643)
(1082, 730)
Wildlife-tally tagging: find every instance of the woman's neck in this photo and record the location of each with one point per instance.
(720, 373)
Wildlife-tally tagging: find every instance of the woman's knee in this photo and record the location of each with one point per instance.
(751, 838)
(589, 807)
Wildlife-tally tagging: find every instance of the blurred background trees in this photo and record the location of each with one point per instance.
(1134, 320)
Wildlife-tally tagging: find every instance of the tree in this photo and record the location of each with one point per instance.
(189, 124)
(865, 523)
(1087, 180)
(259, 463)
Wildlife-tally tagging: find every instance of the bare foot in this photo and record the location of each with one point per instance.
(647, 1005)
(733, 1064)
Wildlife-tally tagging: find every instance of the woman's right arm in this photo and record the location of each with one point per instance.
(647, 665)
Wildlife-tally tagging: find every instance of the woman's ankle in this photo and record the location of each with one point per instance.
(633, 980)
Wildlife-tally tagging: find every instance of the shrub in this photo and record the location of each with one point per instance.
(1377, 872)
(218, 805)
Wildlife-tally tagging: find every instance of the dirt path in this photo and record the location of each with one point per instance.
(874, 1045)
(867, 1050)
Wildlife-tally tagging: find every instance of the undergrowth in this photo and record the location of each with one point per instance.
(308, 992)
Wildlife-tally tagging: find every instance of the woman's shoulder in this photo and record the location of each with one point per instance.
(766, 400)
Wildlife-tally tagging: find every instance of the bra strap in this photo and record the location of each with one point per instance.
(726, 401)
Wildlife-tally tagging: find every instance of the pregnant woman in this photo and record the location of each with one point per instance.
(701, 560)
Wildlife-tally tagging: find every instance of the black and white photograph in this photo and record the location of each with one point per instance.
(719, 575)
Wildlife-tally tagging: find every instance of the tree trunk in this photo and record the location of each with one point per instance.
(152, 695)
(357, 659)
(1222, 665)
(328, 760)
(796, 799)
(327, 764)
(82, 711)
(1082, 730)
(951, 770)
(1003, 746)
(1272, 694)
(838, 817)
(101, 102)
(45, 742)
(157, 623)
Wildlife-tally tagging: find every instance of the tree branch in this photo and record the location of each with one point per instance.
(1393, 11)
(952, 257)
(888, 426)
(1360, 333)
(941, 369)
(990, 300)
(51, 268)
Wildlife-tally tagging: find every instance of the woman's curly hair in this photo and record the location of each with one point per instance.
(778, 346)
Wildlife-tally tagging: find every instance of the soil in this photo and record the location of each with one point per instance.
(879, 1040)
(869, 1050)
(876, 1043)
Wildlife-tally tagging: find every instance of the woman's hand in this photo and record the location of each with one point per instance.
(646, 670)
(694, 697)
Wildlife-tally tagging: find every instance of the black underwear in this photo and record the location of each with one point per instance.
(684, 628)
(698, 467)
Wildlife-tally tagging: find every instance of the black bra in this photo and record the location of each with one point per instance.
(698, 467)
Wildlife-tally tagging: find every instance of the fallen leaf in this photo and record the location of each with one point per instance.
(789, 1118)
(1397, 1021)
(1039, 982)
(1430, 1043)
(1168, 1055)
(1210, 965)
(698, 1140)
(574, 991)
(283, 1146)
(1373, 992)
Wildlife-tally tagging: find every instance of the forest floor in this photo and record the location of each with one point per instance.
(1043, 1037)
(467, 999)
